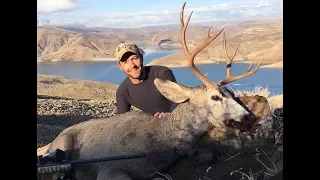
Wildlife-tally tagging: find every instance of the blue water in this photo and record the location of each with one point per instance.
(109, 72)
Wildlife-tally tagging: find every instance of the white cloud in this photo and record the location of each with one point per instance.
(51, 6)
(167, 16)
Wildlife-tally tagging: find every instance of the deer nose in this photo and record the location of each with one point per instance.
(249, 118)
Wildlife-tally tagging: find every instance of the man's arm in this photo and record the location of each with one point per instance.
(122, 104)
(168, 75)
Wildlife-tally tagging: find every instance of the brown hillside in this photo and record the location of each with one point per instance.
(57, 44)
(263, 39)
(258, 36)
(58, 86)
(51, 40)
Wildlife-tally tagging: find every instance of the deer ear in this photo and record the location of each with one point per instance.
(172, 91)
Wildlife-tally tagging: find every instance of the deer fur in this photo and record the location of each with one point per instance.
(163, 140)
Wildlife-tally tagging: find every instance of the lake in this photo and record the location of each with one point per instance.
(109, 72)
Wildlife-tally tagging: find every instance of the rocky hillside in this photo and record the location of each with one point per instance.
(262, 36)
(80, 43)
(58, 86)
(58, 44)
(265, 38)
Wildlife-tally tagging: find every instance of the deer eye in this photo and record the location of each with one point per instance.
(215, 98)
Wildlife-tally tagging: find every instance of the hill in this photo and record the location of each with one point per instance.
(58, 86)
(257, 37)
(58, 44)
(80, 43)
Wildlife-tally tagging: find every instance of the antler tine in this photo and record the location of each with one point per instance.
(250, 66)
(243, 75)
(228, 58)
(183, 29)
(258, 66)
(209, 31)
(206, 42)
(190, 57)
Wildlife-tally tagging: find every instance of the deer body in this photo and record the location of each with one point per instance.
(163, 140)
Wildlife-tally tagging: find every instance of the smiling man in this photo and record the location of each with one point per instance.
(138, 89)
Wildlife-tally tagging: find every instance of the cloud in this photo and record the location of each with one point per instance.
(147, 18)
(51, 6)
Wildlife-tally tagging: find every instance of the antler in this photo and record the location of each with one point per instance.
(229, 59)
(190, 56)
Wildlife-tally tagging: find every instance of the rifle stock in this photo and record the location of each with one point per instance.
(64, 166)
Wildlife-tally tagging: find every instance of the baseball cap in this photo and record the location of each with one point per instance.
(127, 47)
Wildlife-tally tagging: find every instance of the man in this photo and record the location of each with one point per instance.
(138, 89)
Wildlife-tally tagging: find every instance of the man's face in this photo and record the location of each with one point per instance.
(131, 65)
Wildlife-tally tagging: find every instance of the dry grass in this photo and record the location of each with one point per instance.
(248, 176)
(270, 169)
(276, 101)
(258, 90)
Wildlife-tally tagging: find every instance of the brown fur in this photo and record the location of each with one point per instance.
(258, 105)
(42, 150)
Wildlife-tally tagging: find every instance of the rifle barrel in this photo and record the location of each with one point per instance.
(93, 160)
(108, 159)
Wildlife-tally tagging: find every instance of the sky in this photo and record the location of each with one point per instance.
(137, 13)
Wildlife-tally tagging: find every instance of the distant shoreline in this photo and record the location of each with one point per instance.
(211, 61)
(93, 60)
(103, 59)
(274, 65)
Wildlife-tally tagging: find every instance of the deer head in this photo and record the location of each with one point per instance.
(214, 97)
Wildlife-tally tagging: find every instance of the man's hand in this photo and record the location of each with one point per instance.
(160, 114)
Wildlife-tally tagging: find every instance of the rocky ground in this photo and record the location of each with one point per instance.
(56, 114)
(63, 102)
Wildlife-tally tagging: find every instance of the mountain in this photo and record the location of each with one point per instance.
(76, 43)
(57, 44)
(80, 43)
(257, 37)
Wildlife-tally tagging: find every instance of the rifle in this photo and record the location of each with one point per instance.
(55, 162)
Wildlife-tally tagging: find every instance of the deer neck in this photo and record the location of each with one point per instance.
(191, 119)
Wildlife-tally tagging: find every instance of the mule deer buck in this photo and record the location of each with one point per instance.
(163, 140)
